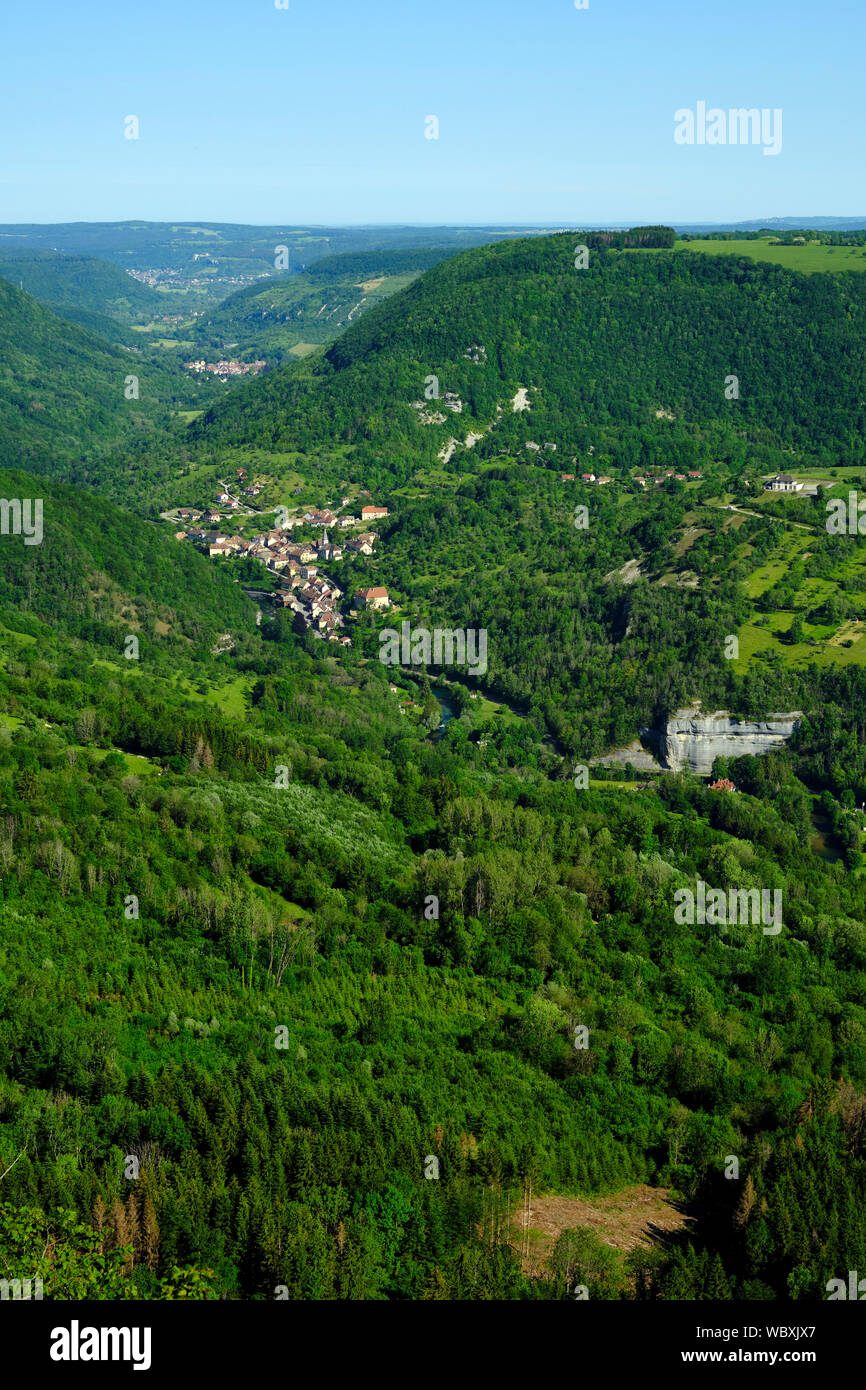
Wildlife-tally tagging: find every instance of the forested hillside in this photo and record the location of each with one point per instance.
(101, 574)
(234, 979)
(68, 397)
(80, 283)
(304, 984)
(606, 347)
(275, 316)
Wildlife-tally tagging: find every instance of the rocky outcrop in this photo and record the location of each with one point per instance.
(691, 740)
(635, 753)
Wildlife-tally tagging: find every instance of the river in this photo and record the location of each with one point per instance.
(446, 707)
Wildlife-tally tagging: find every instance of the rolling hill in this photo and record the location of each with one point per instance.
(80, 283)
(202, 262)
(617, 370)
(271, 931)
(288, 315)
(636, 341)
(233, 976)
(68, 398)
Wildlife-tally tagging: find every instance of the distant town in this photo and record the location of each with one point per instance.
(166, 278)
(304, 587)
(224, 369)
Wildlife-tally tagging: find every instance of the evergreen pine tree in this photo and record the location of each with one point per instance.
(149, 1234)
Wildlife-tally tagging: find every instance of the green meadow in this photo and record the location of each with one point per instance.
(810, 259)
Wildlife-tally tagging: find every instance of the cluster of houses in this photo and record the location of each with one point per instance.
(213, 515)
(246, 489)
(662, 476)
(225, 369)
(225, 499)
(602, 479)
(310, 594)
(303, 588)
(333, 519)
(161, 277)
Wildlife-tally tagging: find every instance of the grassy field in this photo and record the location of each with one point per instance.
(765, 576)
(842, 645)
(489, 709)
(599, 784)
(21, 638)
(785, 558)
(283, 909)
(807, 259)
(135, 765)
(230, 698)
(425, 479)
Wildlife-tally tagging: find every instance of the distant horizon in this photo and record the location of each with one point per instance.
(552, 225)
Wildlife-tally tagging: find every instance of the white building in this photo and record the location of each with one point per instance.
(783, 482)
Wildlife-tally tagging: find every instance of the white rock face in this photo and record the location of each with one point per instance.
(633, 753)
(691, 740)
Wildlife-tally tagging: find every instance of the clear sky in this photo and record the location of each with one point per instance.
(547, 114)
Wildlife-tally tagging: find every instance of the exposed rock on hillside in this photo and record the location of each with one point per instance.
(691, 740)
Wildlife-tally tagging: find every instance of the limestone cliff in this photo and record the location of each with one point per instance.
(691, 739)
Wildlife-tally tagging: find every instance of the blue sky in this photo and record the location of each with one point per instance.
(548, 114)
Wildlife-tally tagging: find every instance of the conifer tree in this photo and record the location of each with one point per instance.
(746, 1203)
(718, 1286)
(100, 1217)
(149, 1234)
(436, 1286)
(122, 1233)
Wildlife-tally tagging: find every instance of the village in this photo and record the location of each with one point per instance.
(303, 586)
(224, 368)
(655, 476)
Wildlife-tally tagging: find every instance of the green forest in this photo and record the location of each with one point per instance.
(286, 312)
(599, 350)
(303, 986)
